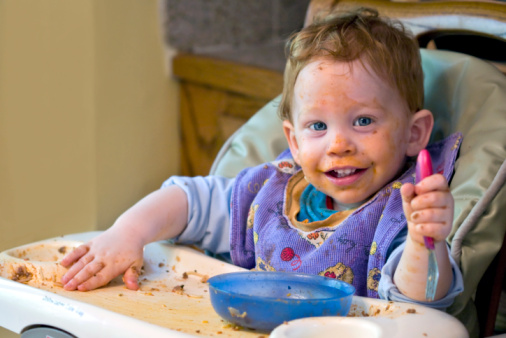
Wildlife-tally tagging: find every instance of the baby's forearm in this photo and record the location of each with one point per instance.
(411, 274)
(160, 215)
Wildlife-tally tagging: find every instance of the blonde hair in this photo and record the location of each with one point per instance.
(382, 44)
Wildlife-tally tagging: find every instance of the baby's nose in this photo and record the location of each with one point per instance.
(341, 146)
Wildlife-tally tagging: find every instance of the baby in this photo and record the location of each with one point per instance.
(340, 202)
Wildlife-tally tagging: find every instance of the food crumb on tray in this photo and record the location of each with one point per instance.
(179, 289)
(203, 278)
(21, 274)
(234, 327)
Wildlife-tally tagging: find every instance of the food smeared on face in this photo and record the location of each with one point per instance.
(349, 131)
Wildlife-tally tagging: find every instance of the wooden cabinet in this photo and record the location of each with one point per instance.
(216, 98)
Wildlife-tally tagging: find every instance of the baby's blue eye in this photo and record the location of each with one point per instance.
(318, 126)
(362, 121)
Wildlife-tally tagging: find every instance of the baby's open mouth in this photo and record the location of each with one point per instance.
(339, 173)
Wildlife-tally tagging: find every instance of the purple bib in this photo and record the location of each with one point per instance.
(262, 236)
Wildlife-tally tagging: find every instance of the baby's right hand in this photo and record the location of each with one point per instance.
(97, 262)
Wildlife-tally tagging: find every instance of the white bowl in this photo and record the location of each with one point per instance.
(323, 327)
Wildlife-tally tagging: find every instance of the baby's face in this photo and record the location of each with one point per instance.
(349, 131)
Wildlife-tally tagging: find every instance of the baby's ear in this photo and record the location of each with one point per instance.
(421, 126)
(289, 131)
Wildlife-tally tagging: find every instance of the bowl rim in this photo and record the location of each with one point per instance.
(318, 280)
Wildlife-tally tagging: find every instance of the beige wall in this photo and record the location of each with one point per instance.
(88, 114)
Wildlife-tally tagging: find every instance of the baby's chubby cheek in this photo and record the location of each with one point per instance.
(385, 144)
(308, 159)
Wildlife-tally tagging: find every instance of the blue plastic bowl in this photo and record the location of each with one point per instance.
(263, 300)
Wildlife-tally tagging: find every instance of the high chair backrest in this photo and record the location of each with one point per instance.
(477, 28)
(465, 94)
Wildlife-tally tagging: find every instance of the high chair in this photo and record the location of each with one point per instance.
(465, 94)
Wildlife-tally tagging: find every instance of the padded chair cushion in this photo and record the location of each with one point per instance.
(469, 95)
(259, 140)
(465, 94)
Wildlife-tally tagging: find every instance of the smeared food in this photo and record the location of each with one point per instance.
(21, 274)
(236, 313)
(203, 278)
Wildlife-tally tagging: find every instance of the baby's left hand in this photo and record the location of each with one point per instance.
(428, 207)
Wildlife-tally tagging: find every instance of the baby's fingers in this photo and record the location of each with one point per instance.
(74, 270)
(431, 223)
(407, 194)
(74, 279)
(98, 279)
(131, 278)
(433, 215)
(434, 199)
(436, 182)
(435, 230)
(74, 255)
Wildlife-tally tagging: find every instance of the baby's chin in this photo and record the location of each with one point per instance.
(346, 198)
(348, 204)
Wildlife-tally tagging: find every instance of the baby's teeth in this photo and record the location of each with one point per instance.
(344, 172)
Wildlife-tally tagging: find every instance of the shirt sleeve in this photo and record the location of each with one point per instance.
(387, 289)
(208, 222)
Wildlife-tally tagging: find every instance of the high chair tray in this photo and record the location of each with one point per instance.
(173, 300)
